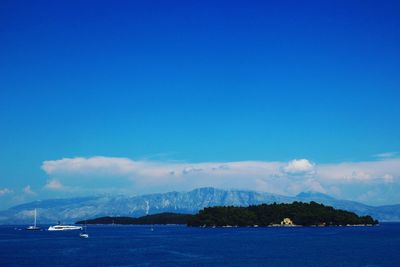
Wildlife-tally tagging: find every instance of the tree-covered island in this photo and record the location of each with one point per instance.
(297, 213)
(161, 218)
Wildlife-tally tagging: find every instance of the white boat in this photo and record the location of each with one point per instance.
(84, 234)
(61, 227)
(33, 227)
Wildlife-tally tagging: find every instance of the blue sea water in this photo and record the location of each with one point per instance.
(186, 246)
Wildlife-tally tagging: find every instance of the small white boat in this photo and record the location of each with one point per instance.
(33, 227)
(60, 227)
(84, 234)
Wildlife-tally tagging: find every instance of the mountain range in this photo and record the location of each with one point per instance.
(74, 209)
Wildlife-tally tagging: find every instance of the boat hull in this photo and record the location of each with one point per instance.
(32, 228)
(64, 228)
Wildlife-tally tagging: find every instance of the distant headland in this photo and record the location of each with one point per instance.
(161, 218)
(294, 214)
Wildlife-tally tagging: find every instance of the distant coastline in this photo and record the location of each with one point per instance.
(161, 218)
(70, 210)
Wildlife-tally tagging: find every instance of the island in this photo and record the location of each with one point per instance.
(294, 214)
(161, 218)
(264, 215)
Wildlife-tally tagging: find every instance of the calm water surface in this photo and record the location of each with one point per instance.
(185, 246)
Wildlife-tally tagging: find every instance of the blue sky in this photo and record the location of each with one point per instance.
(199, 82)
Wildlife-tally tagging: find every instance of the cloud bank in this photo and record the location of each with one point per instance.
(289, 178)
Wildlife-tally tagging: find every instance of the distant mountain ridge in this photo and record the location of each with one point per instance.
(74, 209)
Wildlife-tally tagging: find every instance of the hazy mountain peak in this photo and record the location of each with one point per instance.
(313, 194)
(204, 189)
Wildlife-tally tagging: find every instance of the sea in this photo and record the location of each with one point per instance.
(174, 245)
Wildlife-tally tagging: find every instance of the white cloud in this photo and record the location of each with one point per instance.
(299, 166)
(28, 190)
(97, 165)
(387, 170)
(153, 170)
(144, 176)
(5, 191)
(54, 185)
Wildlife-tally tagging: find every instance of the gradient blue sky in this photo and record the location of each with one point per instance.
(196, 81)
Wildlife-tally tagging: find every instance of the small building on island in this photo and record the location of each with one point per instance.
(287, 222)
